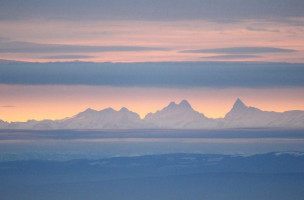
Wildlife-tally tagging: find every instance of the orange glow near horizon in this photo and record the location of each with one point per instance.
(22, 103)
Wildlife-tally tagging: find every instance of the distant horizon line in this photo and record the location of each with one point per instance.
(8, 61)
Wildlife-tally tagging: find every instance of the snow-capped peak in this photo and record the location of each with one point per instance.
(239, 104)
(185, 104)
(123, 109)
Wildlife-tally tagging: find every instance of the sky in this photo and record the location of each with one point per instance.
(159, 30)
(209, 52)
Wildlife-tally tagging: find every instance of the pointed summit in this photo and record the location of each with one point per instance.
(86, 112)
(238, 111)
(123, 109)
(109, 109)
(239, 104)
(172, 104)
(89, 110)
(177, 116)
(185, 104)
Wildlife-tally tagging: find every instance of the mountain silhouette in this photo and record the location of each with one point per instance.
(173, 116)
(179, 115)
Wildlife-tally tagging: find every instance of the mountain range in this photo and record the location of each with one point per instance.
(174, 116)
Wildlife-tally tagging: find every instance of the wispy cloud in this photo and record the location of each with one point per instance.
(241, 50)
(8, 106)
(228, 57)
(68, 57)
(30, 47)
(4, 61)
(249, 28)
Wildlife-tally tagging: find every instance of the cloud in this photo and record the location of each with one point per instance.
(228, 57)
(29, 47)
(262, 29)
(8, 106)
(150, 10)
(68, 57)
(161, 75)
(4, 61)
(241, 50)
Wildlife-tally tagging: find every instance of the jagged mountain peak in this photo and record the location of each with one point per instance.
(185, 103)
(237, 110)
(88, 111)
(171, 104)
(108, 109)
(239, 104)
(123, 109)
(176, 115)
(104, 119)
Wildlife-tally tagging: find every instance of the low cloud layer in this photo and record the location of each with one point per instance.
(67, 57)
(216, 10)
(241, 50)
(170, 74)
(8, 106)
(29, 47)
(228, 57)
(249, 28)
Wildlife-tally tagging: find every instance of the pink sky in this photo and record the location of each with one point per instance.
(176, 35)
(162, 30)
